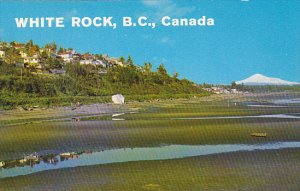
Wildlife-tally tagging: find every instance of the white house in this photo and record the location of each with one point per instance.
(31, 60)
(2, 53)
(86, 62)
(23, 54)
(93, 62)
(99, 63)
(67, 56)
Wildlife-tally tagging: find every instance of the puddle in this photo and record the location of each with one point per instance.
(286, 101)
(280, 116)
(67, 160)
(276, 103)
(271, 106)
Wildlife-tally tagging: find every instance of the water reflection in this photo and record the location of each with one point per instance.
(36, 162)
(279, 116)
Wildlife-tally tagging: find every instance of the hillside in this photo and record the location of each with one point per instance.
(55, 80)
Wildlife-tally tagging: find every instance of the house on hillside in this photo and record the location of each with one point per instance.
(76, 57)
(100, 63)
(35, 59)
(86, 61)
(23, 54)
(19, 46)
(88, 56)
(67, 56)
(113, 61)
(31, 60)
(2, 53)
(93, 62)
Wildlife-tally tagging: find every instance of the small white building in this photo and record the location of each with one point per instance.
(93, 62)
(23, 54)
(67, 56)
(2, 53)
(234, 91)
(99, 63)
(86, 62)
(32, 60)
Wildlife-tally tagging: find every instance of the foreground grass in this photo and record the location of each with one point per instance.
(258, 170)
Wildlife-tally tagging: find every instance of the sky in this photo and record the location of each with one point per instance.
(249, 36)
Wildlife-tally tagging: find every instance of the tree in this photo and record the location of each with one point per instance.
(29, 44)
(233, 85)
(12, 56)
(129, 61)
(13, 43)
(51, 46)
(175, 76)
(44, 55)
(148, 68)
(122, 59)
(161, 70)
(61, 50)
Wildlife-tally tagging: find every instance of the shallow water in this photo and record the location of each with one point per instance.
(274, 103)
(136, 154)
(286, 101)
(272, 106)
(280, 116)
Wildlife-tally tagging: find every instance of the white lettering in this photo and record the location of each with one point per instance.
(21, 22)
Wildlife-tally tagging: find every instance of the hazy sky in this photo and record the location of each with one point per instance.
(254, 36)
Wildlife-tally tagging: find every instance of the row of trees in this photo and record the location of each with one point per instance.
(85, 80)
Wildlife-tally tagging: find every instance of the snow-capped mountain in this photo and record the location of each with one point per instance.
(259, 79)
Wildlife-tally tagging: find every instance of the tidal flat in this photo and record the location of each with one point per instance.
(213, 120)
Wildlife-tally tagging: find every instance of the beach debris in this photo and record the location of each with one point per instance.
(32, 157)
(76, 119)
(27, 108)
(118, 119)
(20, 108)
(22, 161)
(75, 106)
(2, 164)
(88, 152)
(67, 154)
(117, 114)
(258, 134)
(118, 99)
(151, 186)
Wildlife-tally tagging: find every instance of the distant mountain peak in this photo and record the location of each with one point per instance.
(259, 79)
(258, 75)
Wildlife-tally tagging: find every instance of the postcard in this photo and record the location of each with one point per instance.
(159, 95)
